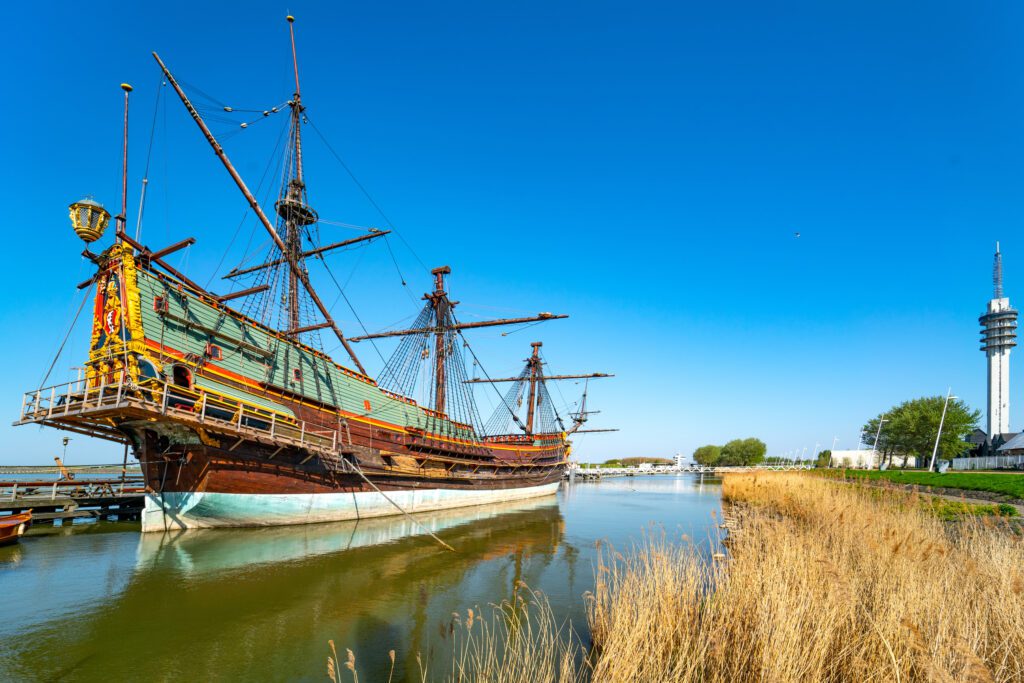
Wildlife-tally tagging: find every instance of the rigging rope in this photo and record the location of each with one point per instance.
(71, 328)
(149, 156)
(366, 193)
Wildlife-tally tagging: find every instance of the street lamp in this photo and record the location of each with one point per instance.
(878, 434)
(935, 451)
(831, 453)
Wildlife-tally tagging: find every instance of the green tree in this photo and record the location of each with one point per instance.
(707, 456)
(910, 429)
(823, 459)
(633, 462)
(743, 452)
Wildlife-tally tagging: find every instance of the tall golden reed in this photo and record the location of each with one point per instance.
(823, 581)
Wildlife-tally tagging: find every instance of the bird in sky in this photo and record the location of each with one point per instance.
(796, 234)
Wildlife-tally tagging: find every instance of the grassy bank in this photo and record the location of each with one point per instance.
(823, 583)
(1011, 485)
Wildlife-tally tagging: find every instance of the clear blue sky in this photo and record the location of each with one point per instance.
(640, 166)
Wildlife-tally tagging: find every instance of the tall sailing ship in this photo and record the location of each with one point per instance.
(237, 415)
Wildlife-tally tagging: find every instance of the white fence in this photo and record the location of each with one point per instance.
(988, 463)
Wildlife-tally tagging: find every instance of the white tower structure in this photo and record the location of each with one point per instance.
(998, 336)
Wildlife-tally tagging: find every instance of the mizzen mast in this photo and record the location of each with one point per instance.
(534, 375)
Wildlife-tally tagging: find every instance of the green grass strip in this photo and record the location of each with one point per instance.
(1007, 484)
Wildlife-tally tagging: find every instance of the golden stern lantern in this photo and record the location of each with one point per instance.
(89, 219)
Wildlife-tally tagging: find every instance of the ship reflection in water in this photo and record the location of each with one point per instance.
(202, 551)
(260, 604)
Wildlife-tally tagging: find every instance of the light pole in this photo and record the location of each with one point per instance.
(935, 451)
(878, 434)
(831, 453)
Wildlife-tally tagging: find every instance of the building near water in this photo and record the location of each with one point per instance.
(867, 458)
(998, 337)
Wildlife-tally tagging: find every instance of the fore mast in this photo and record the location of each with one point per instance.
(293, 207)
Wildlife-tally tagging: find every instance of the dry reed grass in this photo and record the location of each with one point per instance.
(518, 641)
(823, 582)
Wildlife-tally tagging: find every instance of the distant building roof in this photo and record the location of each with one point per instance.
(1016, 443)
(978, 436)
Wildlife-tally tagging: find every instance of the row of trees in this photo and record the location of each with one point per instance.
(910, 429)
(736, 453)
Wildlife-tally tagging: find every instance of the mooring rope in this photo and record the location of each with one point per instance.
(355, 468)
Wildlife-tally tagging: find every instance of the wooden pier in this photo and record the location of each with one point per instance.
(72, 499)
(575, 471)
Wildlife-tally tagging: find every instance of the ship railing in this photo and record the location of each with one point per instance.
(198, 407)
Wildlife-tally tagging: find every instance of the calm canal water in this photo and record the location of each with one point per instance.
(103, 602)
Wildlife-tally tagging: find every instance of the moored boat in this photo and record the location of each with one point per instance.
(13, 527)
(240, 417)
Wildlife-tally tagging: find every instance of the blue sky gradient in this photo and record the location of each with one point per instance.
(641, 166)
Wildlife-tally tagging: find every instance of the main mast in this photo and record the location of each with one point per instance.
(438, 320)
(536, 370)
(442, 308)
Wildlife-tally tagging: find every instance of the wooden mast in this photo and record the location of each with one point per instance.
(294, 197)
(535, 374)
(442, 306)
(536, 377)
(122, 219)
(296, 269)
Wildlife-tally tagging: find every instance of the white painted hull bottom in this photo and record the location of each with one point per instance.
(199, 510)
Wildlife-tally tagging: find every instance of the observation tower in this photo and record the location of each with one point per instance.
(998, 336)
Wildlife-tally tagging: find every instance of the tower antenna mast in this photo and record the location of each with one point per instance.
(998, 337)
(997, 273)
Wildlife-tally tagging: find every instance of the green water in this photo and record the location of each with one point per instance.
(102, 602)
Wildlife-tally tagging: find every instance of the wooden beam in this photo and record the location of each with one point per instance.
(461, 326)
(593, 375)
(312, 252)
(308, 328)
(156, 256)
(148, 255)
(244, 292)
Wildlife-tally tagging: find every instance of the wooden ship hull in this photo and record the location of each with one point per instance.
(235, 424)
